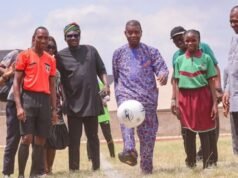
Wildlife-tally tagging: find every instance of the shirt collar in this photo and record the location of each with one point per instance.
(197, 54)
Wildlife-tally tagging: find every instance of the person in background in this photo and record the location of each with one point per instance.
(36, 104)
(79, 67)
(7, 69)
(136, 66)
(230, 98)
(50, 152)
(177, 35)
(196, 102)
(104, 121)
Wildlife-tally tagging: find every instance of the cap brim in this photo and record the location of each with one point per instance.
(179, 33)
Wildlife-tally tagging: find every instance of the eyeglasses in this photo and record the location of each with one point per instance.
(72, 35)
(51, 47)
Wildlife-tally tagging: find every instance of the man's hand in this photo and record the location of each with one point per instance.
(21, 114)
(162, 79)
(54, 117)
(219, 95)
(225, 111)
(225, 102)
(225, 99)
(106, 89)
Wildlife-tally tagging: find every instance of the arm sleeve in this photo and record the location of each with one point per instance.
(226, 80)
(99, 64)
(211, 71)
(21, 62)
(207, 50)
(115, 67)
(53, 67)
(158, 63)
(175, 56)
(58, 66)
(176, 69)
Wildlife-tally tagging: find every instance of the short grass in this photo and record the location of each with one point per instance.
(168, 163)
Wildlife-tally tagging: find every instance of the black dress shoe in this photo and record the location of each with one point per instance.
(129, 157)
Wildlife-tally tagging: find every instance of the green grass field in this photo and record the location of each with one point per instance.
(168, 163)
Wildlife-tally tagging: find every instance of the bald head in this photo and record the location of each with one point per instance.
(133, 23)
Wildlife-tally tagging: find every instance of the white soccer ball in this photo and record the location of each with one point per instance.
(131, 113)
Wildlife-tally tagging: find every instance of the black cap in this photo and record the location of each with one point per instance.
(177, 31)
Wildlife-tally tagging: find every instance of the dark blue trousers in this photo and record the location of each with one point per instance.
(12, 139)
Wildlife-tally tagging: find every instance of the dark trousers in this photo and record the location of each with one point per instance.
(12, 139)
(234, 131)
(106, 130)
(208, 144)
(234, 116)
(75, 133)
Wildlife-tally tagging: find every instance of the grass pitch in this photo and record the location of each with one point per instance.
(168, 163)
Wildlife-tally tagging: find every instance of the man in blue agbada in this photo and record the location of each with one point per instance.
(135, 66)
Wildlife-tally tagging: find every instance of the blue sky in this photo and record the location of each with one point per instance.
(103, 21)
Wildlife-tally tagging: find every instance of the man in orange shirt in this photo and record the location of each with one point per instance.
(35, 69)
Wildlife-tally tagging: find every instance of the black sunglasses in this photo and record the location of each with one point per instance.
(51, 47)
(72, 35)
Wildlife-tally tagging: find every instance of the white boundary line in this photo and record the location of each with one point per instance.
(160, 138)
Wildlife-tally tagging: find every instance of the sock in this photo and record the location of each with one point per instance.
(111, 148)
(23, 154)
(37, 165)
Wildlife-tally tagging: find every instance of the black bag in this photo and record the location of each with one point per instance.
(4, 90)
(59, 137)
